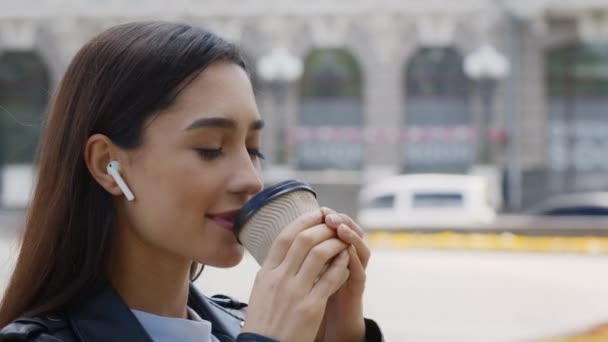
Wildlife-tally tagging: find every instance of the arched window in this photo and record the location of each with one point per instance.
(577, 98)
(438, 136)
(24, 93)
(330, 119)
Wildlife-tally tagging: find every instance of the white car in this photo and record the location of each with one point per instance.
(587, 204)
(425, 201)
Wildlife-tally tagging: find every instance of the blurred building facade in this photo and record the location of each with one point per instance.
(383, 89)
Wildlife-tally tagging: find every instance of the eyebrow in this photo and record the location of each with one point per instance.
(225, 123)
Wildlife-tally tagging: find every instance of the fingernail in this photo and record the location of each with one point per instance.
(345, 229)
(332, 218)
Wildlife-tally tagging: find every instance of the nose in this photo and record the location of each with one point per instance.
(246, 177)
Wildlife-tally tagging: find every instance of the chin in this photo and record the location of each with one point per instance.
(227, 260)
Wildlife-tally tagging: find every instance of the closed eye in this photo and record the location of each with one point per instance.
(254, 152)
(210, 154)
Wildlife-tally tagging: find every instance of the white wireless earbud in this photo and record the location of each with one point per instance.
(114, 171)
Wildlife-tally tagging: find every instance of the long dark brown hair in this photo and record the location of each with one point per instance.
(113, 85)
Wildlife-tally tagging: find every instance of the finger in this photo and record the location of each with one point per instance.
(334, 220)
(317, 258)
(283, 241)
(330, 217)
(326, 211)
(357, 271)
(353, 225)
(347, 235)
(332, 279)
(304, 242)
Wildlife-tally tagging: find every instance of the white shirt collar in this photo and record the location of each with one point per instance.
(163, 329)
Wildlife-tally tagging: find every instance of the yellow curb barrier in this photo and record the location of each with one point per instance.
(596, 334)
(477, 241)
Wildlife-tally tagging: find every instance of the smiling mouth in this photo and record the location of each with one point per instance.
(224, 220)
(228, 224)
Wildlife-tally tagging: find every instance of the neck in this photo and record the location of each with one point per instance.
(147, 278)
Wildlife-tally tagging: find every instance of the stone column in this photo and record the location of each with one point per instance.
(382, 55)
(533, 115)
(527, 114)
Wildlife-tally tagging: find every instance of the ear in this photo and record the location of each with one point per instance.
(98, 152)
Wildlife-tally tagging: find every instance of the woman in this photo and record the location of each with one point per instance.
(168, 110)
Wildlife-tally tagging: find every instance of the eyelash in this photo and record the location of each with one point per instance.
(256, 153)
(212, 154)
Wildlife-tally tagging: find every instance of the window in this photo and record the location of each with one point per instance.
(24, 92)
(437, 200)
(576, 79)
(330, 119)
(437, 104)
(579, 211)
(381, 202)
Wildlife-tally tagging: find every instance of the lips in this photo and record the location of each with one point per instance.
(224, 219)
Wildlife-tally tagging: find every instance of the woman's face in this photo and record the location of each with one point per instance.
(197, 165)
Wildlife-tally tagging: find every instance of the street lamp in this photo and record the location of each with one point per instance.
(279, 69)
(487, 67)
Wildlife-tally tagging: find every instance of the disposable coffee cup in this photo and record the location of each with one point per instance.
(265, 215)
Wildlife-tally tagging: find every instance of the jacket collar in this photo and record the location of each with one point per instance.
(225, 325)
(105, 317)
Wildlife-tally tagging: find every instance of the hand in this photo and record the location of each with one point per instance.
(291, 289)
(343, 319)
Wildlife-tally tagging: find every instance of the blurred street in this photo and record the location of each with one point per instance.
(467, 296)
(426, 295)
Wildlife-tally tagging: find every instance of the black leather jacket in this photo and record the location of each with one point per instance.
(105, 317)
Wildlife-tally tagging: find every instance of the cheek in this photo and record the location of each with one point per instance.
(171, 200)
(194, 186)
(176, 194)
(156, 188)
